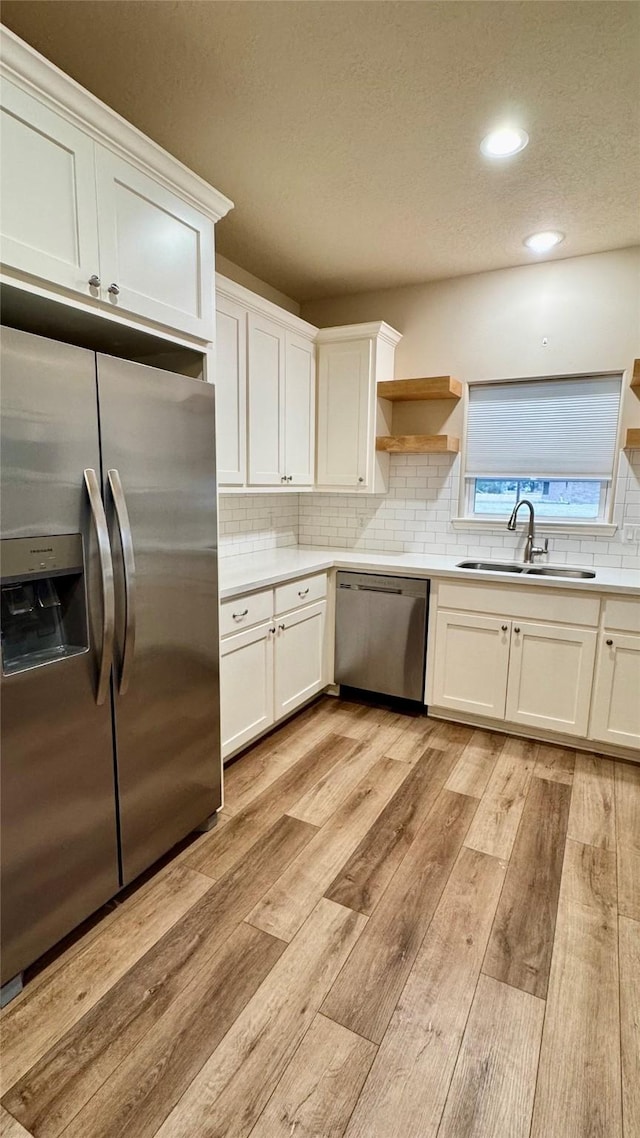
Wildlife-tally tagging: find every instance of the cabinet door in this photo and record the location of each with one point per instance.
(615, 715)
(344, 443)
(231, 391)
(49, 214)
(471, 660)
(266, 402)
(550, 677)
(299, 411)
(155, 248)
(246, 686)
(300, 657)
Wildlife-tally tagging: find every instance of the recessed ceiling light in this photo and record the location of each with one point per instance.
(543, 242)
(504, 142)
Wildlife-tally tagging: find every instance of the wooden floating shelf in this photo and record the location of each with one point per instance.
(405, 390)
(635, 377)
(633, 438)
(418, 444)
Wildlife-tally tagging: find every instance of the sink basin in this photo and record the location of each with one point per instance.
(550, 571)
(493, 566)
(528, 570)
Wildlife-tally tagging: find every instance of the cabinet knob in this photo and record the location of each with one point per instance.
(505, 627)
(516, 630)
(290, 478)
(114, 289)
(283, 478)
(609, 642)
(272, 630)
(95, 281)
(361, 480)
(282, 627)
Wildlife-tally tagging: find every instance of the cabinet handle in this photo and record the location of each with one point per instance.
(290, 478)
(272, 630)
(282, 627)
(95, 281)
(609, 642)
(505, 628)
(239, 615)
(283, 478)
(516, 630)
(303, 592)
(114, 289)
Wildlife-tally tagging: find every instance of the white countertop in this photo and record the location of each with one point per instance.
(249, 571)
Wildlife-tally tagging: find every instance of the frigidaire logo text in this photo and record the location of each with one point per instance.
(49, 549)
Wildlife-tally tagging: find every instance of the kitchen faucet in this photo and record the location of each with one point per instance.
(530, 550)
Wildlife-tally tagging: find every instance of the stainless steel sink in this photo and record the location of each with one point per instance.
(493, 566)
(528, 570)
(551, 571)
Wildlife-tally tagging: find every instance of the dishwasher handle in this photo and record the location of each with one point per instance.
(371, 589)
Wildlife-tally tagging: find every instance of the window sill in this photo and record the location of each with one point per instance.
(543, 525)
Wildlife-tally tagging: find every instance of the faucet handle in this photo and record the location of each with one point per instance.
(537, 551)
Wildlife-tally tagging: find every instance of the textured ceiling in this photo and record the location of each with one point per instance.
(347, 132)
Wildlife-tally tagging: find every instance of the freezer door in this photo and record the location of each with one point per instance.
(158, 455)
(59, 844)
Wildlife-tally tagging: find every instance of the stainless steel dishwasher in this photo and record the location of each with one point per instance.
(381, 633)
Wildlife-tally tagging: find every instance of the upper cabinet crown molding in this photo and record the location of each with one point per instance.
(262, 307)
(29, 70)
(377, 329)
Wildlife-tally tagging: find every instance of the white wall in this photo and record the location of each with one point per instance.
(491, 325)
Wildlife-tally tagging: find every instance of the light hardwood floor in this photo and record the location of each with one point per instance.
(400, 928)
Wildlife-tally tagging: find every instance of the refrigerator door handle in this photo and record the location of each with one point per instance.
(106, 577)
(126, 542)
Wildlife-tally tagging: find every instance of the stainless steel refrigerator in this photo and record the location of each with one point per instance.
(110, 705)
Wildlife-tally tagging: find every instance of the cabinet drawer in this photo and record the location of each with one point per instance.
(541, 603)
(243, 612)
(622, 613)
(301, 592)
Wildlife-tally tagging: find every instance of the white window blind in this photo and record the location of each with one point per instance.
(550, 428)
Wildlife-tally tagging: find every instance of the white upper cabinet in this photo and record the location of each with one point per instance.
(344, 382)
(351, 362)
(156, 251)
(92, 206)
(299, 410)
(47, 185)
(231, 391)
(266, 363)
(266, 381)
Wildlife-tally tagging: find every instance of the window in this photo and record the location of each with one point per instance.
(551, 440)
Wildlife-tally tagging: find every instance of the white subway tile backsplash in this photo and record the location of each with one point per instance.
(253, 522)
(415, 517)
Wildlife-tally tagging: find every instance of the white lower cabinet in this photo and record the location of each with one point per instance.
(550, 675)
(536, 674)
(299, 665)
(615, 713)
(268, 670)
(246, 686)
(471, 663)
